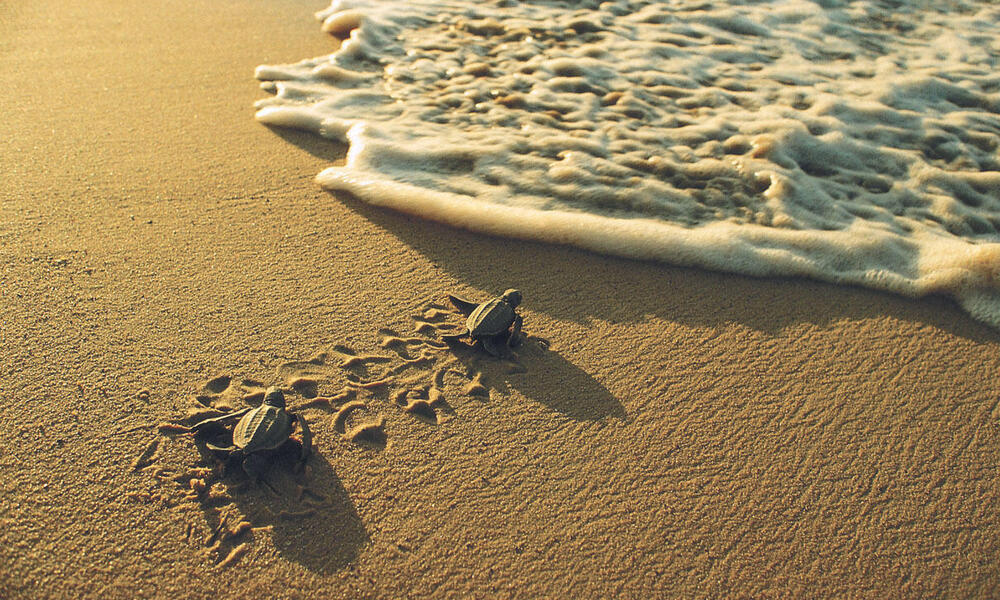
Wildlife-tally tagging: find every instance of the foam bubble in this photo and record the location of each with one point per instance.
(829, 140)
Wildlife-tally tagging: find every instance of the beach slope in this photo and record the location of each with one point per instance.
(681, 433)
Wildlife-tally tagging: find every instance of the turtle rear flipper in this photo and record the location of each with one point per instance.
(464, 306)
(495, 345)
(255, 466)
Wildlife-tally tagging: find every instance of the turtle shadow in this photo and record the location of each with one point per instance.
(545, 376)
(309, 515)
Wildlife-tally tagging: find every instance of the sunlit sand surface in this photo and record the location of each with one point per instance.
(664, 431)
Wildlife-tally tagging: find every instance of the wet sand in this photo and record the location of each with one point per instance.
(685, 434)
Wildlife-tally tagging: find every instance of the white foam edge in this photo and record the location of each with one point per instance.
(970, 273)
(304, 118)
(744, 249)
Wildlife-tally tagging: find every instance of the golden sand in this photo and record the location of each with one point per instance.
(684, 434)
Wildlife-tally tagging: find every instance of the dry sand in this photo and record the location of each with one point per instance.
(687, 433)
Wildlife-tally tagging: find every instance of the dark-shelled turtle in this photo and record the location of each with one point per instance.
(495, 323)
(259, 432)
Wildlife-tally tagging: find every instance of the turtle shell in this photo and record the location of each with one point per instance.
(491, 318)
(263, 428)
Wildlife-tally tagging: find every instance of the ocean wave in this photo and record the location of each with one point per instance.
(851, 142)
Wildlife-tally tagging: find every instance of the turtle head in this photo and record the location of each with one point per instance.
(512, 297)
(274, 397)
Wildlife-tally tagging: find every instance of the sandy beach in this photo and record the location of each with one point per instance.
(682, 433)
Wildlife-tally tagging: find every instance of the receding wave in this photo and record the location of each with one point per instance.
(848, 141)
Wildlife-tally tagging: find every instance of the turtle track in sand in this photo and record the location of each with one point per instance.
(345, 395)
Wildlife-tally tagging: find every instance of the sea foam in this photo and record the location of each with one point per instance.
(851, 142)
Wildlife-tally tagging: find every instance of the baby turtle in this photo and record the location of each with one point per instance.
(495, 323)
(259, 432)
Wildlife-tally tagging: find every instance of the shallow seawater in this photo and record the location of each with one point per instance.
(849, 141)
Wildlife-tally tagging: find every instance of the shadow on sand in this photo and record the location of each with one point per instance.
(643, 288)
(554, 284)
(320, 147)
(544, 376)
(312, 519)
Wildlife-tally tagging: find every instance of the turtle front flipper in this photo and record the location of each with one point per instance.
(306, 442)
(514, 339)
(207, 426)
(464, 306)
(217, 448)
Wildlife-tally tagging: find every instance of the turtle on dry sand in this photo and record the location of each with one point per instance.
(260, 433)
(495, 323)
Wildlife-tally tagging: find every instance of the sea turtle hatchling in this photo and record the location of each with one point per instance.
(494, 323)
(259, 431)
